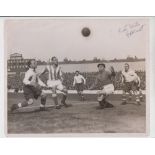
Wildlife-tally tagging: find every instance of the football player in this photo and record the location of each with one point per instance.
(32, 88)
(54, 82)
(104, 81)
(131, 85)
(79, 82)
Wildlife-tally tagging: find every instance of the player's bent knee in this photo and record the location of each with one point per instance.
(30, 101)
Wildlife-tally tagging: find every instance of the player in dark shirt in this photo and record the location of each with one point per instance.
(105, 84)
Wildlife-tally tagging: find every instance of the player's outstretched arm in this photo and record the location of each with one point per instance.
(41, 83)
(74, 82)
(61, 74)
(139, 82)
(122, 79)
(42, 72)
(113, 73)
(84, 80)
(26, 80)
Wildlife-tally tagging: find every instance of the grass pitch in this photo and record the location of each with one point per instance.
(82, 117)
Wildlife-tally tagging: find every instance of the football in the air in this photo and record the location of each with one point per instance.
(85, 31)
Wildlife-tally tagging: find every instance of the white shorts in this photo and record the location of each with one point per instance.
(55, 84)
(107, 89)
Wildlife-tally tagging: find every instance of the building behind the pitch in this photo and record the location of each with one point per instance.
(17, 64)
(16, 67)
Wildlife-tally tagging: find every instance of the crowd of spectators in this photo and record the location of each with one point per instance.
(15, 82)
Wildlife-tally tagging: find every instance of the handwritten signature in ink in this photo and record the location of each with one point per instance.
(131, 29)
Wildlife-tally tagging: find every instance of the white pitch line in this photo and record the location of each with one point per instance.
(35, 107)
(75, 92)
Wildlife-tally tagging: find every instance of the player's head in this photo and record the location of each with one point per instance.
(77, 72)
(101, 67)
(32, 64)
(126, 67)
(54, 61)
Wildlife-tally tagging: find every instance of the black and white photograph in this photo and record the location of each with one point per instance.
(77, 76)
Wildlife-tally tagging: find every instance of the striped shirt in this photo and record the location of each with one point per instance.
(54, 73)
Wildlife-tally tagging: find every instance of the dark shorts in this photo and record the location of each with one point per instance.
(79, 86)
(130, 86)
(31, 92)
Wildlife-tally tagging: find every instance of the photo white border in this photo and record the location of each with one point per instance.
(2, 79)
(84, 134)
(152, 77)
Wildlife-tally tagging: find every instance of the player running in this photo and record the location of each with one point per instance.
(104, 81)
(54, 81)
(32, 88)
(131, 83)
(79, 82)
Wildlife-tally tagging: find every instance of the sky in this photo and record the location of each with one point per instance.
(109, 38)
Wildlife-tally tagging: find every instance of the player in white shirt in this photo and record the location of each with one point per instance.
(32, 87)
(131, 83)
(79, 82)
(55, 80)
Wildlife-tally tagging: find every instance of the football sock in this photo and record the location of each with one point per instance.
(64, 97)
(137, 99)
(124, 98)
(43, 101)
